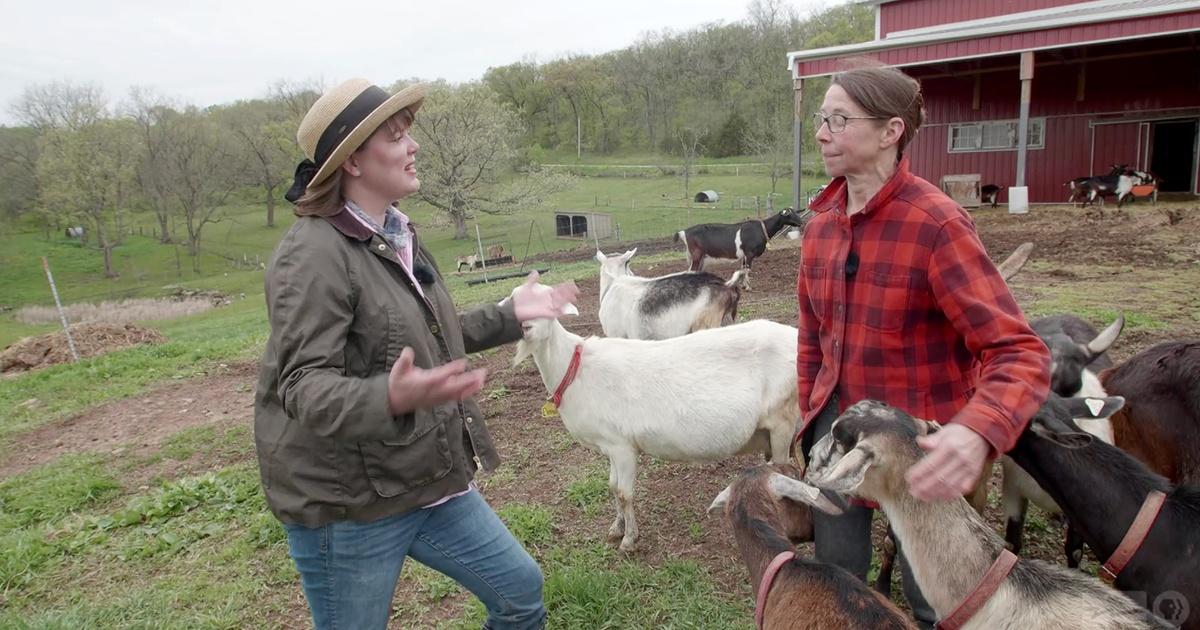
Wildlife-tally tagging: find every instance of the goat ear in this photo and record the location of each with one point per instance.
(784, 487)
(1106, 338)
(1015, 261)
(629, 254)
(1094, 406)
(600, 257)
(523, 352)
(721, 501)
(845, 474)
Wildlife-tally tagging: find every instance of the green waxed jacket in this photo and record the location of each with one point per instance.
(341, 309)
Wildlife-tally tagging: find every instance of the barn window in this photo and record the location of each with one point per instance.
(995, 135)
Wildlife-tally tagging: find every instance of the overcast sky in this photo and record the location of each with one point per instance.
(204, 52)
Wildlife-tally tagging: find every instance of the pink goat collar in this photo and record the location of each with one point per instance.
(987, 586)
(764, 587)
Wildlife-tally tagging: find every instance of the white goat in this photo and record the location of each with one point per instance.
(696, 398)
(666, 306)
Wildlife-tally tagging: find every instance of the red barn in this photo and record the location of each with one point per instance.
(1103, 82)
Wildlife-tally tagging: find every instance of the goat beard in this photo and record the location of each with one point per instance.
(523, 352)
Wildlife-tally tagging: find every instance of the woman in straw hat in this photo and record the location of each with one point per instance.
(366, 432)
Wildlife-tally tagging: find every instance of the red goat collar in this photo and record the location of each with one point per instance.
(569, 377)
(764, 587)
(987, 586)
(1134, 537)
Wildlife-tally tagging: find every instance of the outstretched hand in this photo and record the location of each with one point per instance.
(411, 388)
(529, 303)
(954, 459)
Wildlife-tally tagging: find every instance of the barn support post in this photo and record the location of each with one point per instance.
(797, 139)
(1018, 198)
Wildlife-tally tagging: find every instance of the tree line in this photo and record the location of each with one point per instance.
(717, 90)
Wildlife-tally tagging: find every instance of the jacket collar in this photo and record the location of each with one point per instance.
(349, 226)
(834, 197)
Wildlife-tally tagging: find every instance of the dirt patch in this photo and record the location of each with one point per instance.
(138, 425)
(90, 340)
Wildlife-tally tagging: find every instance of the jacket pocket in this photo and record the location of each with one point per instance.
(886, 304)
(418, 457)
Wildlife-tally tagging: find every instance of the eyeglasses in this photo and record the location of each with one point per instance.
(837, 122)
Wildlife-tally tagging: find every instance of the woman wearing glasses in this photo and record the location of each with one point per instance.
(899, 302)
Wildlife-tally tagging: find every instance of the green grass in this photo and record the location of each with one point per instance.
(643, 207)
(590, 492)
(196, 344)
(1150, 299)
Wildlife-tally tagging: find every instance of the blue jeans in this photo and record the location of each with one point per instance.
(349, 570)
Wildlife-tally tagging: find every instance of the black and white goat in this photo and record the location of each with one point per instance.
(1078, 353)
(701, 397)
(1101, 489)
(950, 546)
(743, 241)
(769, 510)
(665, 306)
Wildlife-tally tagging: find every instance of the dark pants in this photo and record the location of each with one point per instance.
(845, 540)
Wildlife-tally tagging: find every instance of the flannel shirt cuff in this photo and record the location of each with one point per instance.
(991, 426)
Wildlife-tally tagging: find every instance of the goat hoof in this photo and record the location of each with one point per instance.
(616, 532)
(628, 545)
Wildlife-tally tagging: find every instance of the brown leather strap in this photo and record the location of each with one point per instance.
(764, 587)
(984, 590)
(1134, 537)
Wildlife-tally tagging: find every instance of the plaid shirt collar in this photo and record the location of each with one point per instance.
(395, 228)
(834, 197)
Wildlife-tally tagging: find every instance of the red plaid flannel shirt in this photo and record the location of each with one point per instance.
(925, 324)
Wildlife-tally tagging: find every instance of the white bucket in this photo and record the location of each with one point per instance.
(1018, 199)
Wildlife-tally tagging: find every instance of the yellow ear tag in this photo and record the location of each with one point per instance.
(549, 410)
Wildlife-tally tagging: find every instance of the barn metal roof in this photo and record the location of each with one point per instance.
(1056, 17)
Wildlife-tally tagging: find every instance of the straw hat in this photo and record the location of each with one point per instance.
(340, 121)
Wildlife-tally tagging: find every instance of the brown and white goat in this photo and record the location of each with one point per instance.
(950, 546)
(1101, 490)
(769, 510)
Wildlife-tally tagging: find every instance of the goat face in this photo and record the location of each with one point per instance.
(774, 494)
(1069, 358)
(536, 330)
(791, 217)
(1054, 420)
(867, 451)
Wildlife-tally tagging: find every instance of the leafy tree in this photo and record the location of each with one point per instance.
(468, 139)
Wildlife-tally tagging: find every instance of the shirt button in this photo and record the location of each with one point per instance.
(382, 247)
(435, 329)
(470, 419)
(839, 309)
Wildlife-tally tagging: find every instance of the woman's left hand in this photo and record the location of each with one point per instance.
(954, 459)
(531, 303)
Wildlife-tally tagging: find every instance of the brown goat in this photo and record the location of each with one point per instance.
(1160, 422)
(769, 510)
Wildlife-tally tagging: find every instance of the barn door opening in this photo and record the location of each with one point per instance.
(1173, 154)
